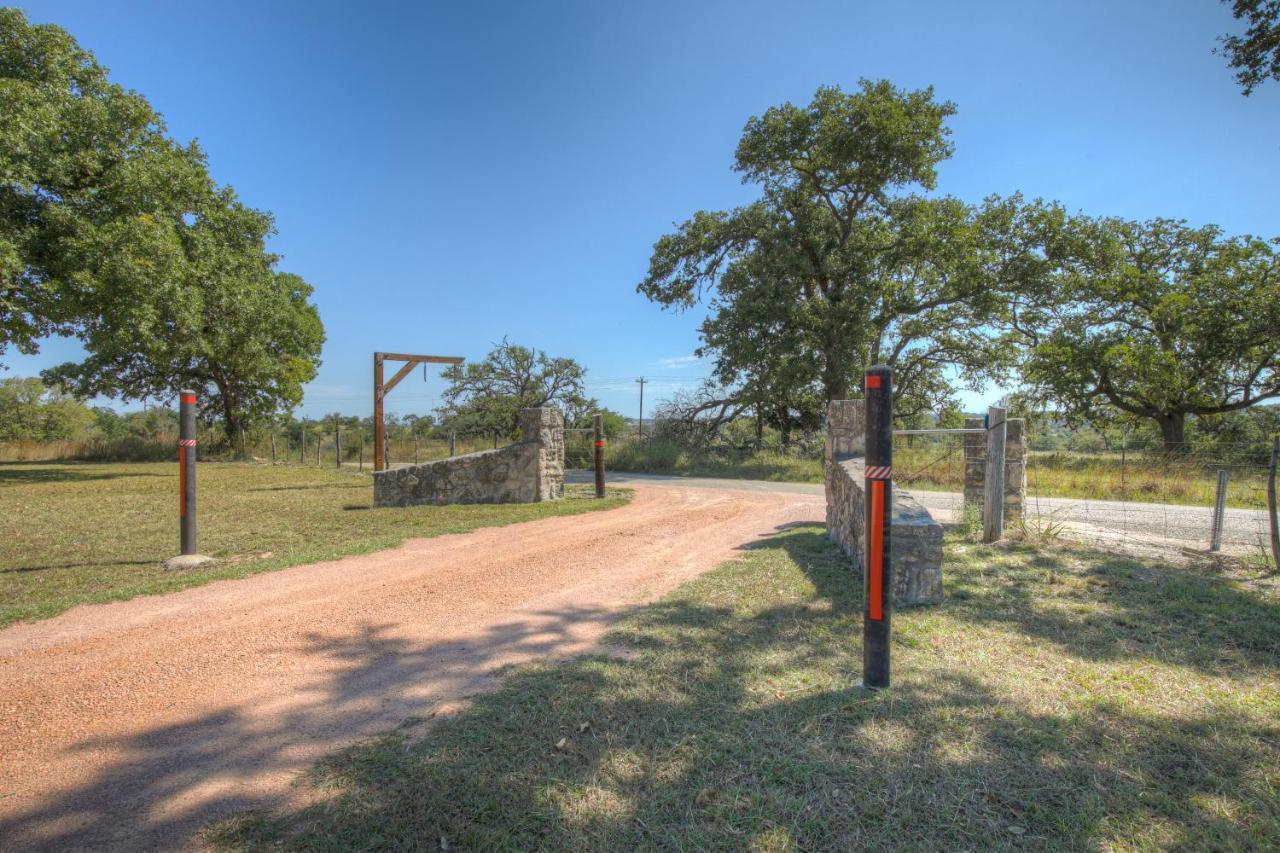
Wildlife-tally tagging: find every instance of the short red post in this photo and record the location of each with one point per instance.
(597, 424)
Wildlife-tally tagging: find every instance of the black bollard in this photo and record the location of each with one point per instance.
(877, 569)
(187, 470)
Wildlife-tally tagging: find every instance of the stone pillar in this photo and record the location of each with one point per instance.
(845, 430)
(546, 428)
(1015, 466)
(846, 439)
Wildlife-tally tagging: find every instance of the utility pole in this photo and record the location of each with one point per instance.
(641, 380)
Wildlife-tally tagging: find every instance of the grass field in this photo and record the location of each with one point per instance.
(1062, 700)
(1188, 482)
(75, 533)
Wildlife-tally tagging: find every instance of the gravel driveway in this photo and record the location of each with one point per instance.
(132, 725)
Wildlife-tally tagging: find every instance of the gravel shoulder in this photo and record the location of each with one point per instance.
(132, 725)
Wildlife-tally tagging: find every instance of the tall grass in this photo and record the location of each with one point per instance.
(927, 466)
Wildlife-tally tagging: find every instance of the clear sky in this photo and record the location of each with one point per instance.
(446, 174)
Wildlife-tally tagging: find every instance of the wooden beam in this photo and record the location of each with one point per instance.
(419, 359)
(395, 380)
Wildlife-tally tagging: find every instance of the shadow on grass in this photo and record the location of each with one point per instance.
(307, 487)
(1105, 607)
(80, 564)
(66, 472)
(734, 725)
(722, 718)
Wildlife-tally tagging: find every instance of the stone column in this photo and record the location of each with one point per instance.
(845, 440)
(546, 427)
(1015, 466)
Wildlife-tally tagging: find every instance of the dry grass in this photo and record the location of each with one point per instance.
(80, 533)
(934, 466)
(1057, 700)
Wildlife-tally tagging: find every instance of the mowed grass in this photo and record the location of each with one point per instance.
(80, 533)
(1064, 700)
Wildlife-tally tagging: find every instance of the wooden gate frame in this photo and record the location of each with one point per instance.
(381, 389)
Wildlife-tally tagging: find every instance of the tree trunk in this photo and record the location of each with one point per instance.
(232, 422)
(1173, 428)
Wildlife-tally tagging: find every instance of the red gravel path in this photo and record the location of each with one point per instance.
(132, 725)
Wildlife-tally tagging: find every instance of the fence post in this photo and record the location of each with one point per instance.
(993, 484)
(415, 450)
(1271, 501)
(877, 575)
(337, 447)
(318, 443)
(495, 439)
(362, 454)
(1219, 510)
(453, 437)
(302, 448)
(273, 448)
(597, 426)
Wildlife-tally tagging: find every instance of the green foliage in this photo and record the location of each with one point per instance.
(90, 182)
(1157, 321)
(112, 232)
(837, 266)
(30, 411)
(489, 394)
(1255, 55)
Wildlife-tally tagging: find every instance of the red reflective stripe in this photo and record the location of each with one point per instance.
(599, 444)
(188, 399)
(873, 380)
(875, 576)
(182, 480)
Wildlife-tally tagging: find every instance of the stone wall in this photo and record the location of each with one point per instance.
(1015, 466)
(915, 550)
(529, 471)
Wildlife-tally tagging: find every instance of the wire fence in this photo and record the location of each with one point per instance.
(1197, 500)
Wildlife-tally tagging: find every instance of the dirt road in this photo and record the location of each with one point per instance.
(132, 725)
(1101, 522)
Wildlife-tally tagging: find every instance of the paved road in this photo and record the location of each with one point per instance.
(128, 726)
(1102, 521)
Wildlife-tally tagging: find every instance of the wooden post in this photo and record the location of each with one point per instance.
(597, 425)
(273, 448)
(1219, 510)
(337, 446)
(319, 435)
(302, 449)
(362, 454)
(993, 484)
(415, 450)
(453, 439)
(379, 430)
(495, 439)
(1271, 501)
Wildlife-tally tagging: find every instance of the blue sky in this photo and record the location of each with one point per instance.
(447, 174)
